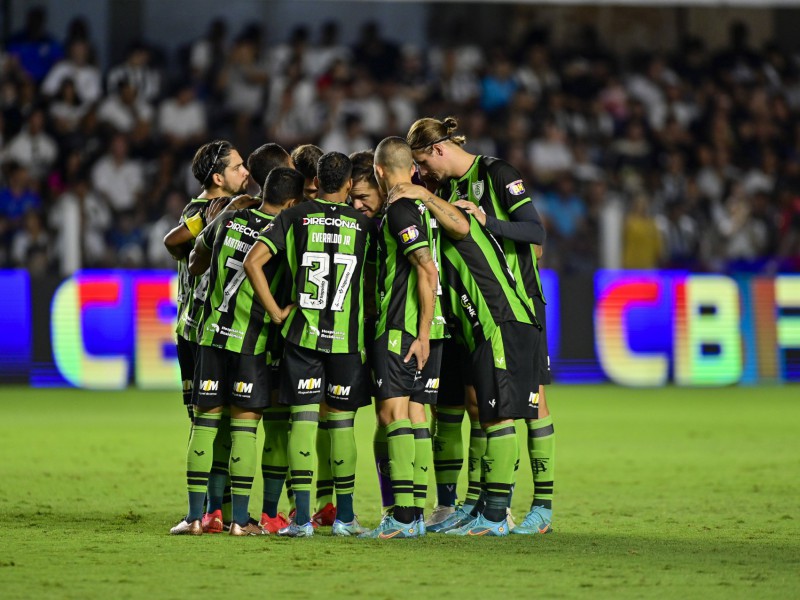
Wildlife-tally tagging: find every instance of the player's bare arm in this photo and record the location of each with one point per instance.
(454, 223)
(258, 256)
(427, 282)
(179, 242)
(200, 257)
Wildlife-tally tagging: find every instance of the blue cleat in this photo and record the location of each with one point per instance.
(390, 528)
(294, 530)
(481, 526)
(454, 521)
(422, 529)
(353, 528)
(537, 521)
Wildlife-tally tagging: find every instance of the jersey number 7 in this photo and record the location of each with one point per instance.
(318, 276)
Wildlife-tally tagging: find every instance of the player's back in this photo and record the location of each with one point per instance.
(325, 245)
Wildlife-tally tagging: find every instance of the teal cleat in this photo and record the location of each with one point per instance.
(454, 521)
(537, 521)
(353, 528)
(481, 526)
(390, 528)
(294, 530)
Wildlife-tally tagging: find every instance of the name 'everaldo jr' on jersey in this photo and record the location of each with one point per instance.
(325, 245)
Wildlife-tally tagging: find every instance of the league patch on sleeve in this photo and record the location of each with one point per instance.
(268, 228)
(409, 234)
(516, 188)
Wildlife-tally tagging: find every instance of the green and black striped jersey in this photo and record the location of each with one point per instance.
(407, 226)
(498, 189)
(481, 287)
(233, 319)
(325, 244)
(191, 289)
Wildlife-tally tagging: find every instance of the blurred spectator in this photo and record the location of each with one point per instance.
(172, 206)
(182, 118)
(347, 138)
(207, 55)
(32, 147)
(19, 197)
(66, 109)
(327, 51)
(75, 66)
(118, 178)
(564, 210)
(137, 71)
(380, 57)
(82, 220)
(498, 85)
(127, 239)
(33, 47)
(642, 247)
(124, 111)
(550, 155)
(30, 246)
(679, 236)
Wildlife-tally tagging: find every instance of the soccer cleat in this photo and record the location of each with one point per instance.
(325, 516)
(251, 528)
(454, 521)
(273, 524)
(212, 522)
(185, 527)
(537, 521)
(295, 530)
(510, 519)
(439, 514)
(353, 528)
(422, 529)
(481, 526)
(390, 528)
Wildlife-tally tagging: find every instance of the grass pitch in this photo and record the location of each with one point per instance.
(666, 493)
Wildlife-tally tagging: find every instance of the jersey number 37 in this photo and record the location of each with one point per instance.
(318, 271)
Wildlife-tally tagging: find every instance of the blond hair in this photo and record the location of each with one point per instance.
(426, 132)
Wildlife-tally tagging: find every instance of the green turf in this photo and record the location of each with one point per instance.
(665, 493)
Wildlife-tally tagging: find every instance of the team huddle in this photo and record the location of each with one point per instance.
(408, 275)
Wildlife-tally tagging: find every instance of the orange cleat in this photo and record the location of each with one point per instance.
(212, 522)
(273, 524)
(325, 516)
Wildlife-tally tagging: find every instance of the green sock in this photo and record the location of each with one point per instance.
(423, 461)
(400, 437)
(477, 450)
(501, 449)
(542, 451)
(324, 471)
(199, 457)
(343, 461)
(302, 437)
(219, 480)
(380, 447)
(448, 453)
(274, 457)
(244, 456)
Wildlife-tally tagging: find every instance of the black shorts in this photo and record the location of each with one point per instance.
(505, 384)
(542, 360)
(454, 374)
(369, 337)
(225, 378)
(395, 378)
(309, 377)
(187, 360)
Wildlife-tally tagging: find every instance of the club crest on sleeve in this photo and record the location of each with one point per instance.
(516, 188)
(409, 234)
(268, 228)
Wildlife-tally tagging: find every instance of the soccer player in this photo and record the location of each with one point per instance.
(305, 159)
(325, 242)
(217, 166)
(498, 329)
(407, 340)
(274, 457)
(494, 193)
(233, 337)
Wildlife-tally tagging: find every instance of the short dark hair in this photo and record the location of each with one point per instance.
(364, 167)
(210, 158)
(283, 184)
(333, 171)
(265, 158)
(394, 153)
(305, 159)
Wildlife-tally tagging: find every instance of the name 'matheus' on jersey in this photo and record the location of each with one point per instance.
(406, 227)
(233, 319)
(325, 244)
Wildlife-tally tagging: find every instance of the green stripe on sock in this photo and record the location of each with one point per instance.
(423, 461)
(400, 436)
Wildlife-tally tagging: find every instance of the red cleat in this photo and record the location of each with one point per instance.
(325, 516)
(273, 524)
(212, 522)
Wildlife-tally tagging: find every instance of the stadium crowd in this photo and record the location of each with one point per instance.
(688, 160)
